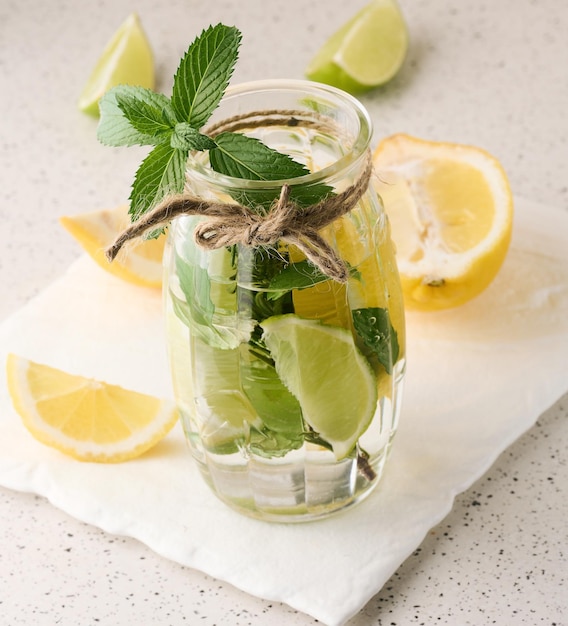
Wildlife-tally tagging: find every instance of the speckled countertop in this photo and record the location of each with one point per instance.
(488, 73)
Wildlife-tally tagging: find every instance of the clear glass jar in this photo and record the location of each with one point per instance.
(289, 395)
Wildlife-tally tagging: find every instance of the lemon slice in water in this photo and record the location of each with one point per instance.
(126, 60)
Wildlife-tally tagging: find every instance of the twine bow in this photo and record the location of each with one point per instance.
(230, 224)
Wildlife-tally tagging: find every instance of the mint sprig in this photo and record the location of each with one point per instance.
(133, 115)
(138, 116)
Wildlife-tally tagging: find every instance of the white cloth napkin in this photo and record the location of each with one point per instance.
(478, 377)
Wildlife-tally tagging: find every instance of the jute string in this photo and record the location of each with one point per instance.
(228, 224)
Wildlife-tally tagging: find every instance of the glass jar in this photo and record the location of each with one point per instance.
(288, 382)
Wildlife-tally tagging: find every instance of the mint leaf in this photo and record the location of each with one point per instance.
(196, 287)
(299, 275)
(204, 73)
(161, 172)
(276, 406)
(114, 128)
(374, 327)
(152, 117)
(185, 137)
(198, 314)
(245, 157)
(270, 444)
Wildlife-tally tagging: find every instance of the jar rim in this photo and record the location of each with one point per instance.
(305, 89)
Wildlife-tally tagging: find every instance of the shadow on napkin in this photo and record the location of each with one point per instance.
(527, 301)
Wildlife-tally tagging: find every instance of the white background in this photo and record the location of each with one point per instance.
(491, 74)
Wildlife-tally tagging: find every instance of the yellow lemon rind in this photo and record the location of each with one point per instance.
(88, 451)
(130, 266)
(467, 274)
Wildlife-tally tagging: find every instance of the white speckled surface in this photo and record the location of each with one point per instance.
(488, 73)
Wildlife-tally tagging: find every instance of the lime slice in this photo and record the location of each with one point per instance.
(366, 52)
(332, 380)
(126, 60)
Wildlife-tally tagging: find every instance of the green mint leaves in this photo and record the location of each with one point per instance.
(185, 137)
(373, 325)
(204, 73)
(133, 115)
(245, 157)
(147, 113)
(161, 172)
(240, 156)
(138, 116)
(115, 128)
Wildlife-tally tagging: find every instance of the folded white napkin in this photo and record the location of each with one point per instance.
(478, 377)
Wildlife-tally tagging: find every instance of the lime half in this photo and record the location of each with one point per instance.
(331, 379)
(366, 52)
(126, 60)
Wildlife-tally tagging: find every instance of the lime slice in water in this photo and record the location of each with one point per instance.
(366, 52)
(126, 60)
(324, 369)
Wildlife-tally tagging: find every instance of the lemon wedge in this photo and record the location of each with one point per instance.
(84, 418)
(140, 264)
(451, 212)
(126, 60)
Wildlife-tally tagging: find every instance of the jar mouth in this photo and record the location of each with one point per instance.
(310, 96)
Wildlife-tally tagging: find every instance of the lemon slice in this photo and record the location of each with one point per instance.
(451, 211)
(366, 52)
(84, 418)
(331, 379)
(140, 264)
(126, 60)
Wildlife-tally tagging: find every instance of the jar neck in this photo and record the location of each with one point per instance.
(323, 128)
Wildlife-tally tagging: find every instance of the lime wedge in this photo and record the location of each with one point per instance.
(126, 60)
(324, 369)
(366, 52)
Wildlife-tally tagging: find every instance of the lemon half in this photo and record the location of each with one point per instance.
(451, 211)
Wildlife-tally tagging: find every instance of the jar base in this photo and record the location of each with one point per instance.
(303, 488)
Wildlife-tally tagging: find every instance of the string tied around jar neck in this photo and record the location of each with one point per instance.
(230, 224)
